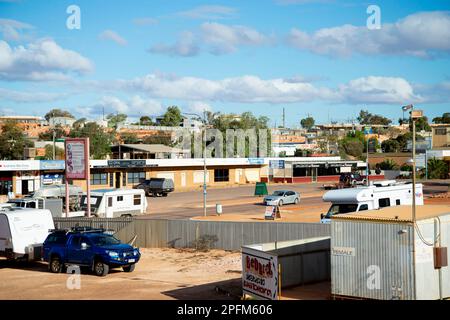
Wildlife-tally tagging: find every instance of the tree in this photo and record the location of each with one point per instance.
(302, 153)
(388, 164)
(99, 140)
(437, 169)
(172, 117)
(307, 123)
(58, 113)
(390, 145)
(365, 117)
(129, 138)
(59, 153)
(146, 121)
(421, 124)
(352, 147)
(48, 135)
(444, 119)
(12, 141)
(115, 119)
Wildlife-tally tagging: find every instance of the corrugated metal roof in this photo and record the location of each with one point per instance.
(152, 148)
(397, 213)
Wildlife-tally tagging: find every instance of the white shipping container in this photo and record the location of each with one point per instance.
(381, 254)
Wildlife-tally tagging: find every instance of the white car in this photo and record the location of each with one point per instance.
(281, 197)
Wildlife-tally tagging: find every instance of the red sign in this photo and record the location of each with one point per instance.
(76, 158)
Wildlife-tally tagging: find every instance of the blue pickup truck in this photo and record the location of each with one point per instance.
(87, 247)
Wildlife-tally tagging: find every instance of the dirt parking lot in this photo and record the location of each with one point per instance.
(161, 274)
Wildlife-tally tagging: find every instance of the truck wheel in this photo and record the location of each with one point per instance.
(280, 203)
(164, 194)
(101, 269)
(55, 265)
(129, 268)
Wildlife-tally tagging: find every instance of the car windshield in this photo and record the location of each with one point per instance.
(341, 208)
(104, 240)
(278, 193)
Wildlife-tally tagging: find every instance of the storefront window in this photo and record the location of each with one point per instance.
(99, 178)
(221, 175)
(5, 186)
(135, 177)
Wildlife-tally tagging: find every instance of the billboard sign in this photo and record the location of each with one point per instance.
(76, 158)
(276, 164)
(259, 274)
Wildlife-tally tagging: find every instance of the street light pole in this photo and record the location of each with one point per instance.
(413, 169)
(204, 155)
(204, 163)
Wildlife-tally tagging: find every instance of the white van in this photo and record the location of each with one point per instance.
(379, 195)
(23, 231)
(111, 203)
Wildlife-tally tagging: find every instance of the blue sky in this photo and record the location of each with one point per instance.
(308, 56)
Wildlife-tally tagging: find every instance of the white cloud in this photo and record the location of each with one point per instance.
(185, 46)
(12, 29)
(422, 35)
(146, 21)
(28, 96)
(209, 12)
(113, 36)
(43, 60)
(215, 38)
(134, 106)
(374, 90)
(252, 89)
(199, 106)
(225, 39)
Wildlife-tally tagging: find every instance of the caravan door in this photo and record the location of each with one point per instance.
(109, 212)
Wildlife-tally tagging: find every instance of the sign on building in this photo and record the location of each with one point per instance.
(76, 158)
(277, 164)
(259, 274)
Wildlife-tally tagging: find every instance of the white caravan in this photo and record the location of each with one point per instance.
(23, 231)
(111, 203)
(378, 195)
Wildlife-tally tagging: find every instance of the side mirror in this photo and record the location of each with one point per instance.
(84, 246)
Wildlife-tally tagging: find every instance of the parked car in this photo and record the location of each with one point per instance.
(156, 186)
(93, 248)
(352, 179)
(281, 197)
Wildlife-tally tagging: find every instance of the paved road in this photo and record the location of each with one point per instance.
(182, 205)
(240, 200)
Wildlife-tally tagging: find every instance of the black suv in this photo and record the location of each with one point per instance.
(352, 179)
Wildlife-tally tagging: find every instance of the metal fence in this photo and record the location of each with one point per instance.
(157, 233)
(115, 224)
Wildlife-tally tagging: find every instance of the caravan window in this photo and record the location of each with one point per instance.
(137, 199)
(363, 207)
(341, 208)
(119, 198)
(385, 202)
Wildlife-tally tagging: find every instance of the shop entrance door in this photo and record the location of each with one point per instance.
(314, 174)
(25, 187)
(117, 180)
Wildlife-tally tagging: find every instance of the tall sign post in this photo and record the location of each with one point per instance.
(367, 131)
(77, 167)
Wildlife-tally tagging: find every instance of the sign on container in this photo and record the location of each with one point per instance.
(259, 274)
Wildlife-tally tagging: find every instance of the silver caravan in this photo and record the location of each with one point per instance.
(52, 198)
(23, 231)
(111, 203)
(379, 195)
